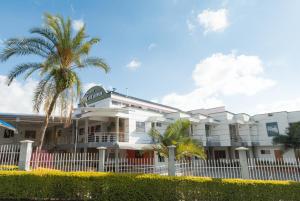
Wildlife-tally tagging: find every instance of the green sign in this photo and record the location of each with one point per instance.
(93, 95)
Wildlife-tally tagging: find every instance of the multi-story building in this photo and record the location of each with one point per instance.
(121, 123)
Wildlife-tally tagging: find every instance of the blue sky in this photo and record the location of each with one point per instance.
(189, 54)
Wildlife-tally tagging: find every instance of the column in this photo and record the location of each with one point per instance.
(117, 128)
(101, 163)
(243, 162)
(117, 159)
(171, 160)
(86, 133)
(25, 155)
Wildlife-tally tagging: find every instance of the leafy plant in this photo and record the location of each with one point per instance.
(177, 134)
(291, 140)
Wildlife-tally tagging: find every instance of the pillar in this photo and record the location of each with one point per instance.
(117, 128)
(171, 160)
(25, 155)
(101, 162)
(86, 133)
(243, 162)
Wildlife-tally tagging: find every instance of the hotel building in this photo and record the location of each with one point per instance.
(121, 123)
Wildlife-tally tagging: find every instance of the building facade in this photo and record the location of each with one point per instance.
(121, 123)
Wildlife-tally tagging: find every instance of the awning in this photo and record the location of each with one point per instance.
(126, 145)
(7, 126)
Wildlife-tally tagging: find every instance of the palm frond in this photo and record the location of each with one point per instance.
(45, 32)
(95, 62)
(22, 68)
(42, 92)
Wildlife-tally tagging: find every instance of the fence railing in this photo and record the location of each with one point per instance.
(270, 169)
(20, 156)
(69, 162)
(209, 168)
(108, 137)
(9, 156)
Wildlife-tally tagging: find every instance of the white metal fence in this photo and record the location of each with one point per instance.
(209, 168)
(253, 168)
(9, 156)
(265, 169)
(90, 162)
(270, 169)
(69, 162)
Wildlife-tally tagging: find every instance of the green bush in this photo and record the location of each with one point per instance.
(55, 185)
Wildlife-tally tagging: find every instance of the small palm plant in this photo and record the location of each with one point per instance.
(63, 55)
(177, 134)
(292, 138)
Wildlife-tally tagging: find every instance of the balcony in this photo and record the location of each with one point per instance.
(241, 140)
(108, 137)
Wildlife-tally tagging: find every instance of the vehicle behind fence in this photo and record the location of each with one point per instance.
(251, 168)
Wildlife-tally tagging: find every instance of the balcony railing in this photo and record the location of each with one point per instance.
(108, 137)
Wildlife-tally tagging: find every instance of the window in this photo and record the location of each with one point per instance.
(265, 151)
(272, 129)
(30, 134)
(97, 128)
(81, 131)
(161, 158)
(152, 125)
(158, 124)
(220, 154)
(233, 130)
(140, 126)
(8, 133)
(207, 130)
(192, 129)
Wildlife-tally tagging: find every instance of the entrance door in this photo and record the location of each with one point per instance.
(278, 154)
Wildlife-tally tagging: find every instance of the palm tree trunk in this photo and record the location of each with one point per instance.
(46, 121)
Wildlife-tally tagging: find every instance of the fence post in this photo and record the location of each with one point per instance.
(243, 162)
(101, 162)
(25, 155)
(171, 160)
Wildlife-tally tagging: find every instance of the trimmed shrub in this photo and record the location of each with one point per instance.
(55, 185)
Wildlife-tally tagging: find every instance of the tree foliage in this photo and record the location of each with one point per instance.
(62, 54)
(177, 134)
(291, 140)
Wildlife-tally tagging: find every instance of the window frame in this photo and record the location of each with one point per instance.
(270, 132)
(30, 136)
(138, 128)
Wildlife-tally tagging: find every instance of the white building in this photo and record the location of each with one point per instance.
(122, 123)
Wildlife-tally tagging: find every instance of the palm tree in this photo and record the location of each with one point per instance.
(177, 134)
(63, 55)
(292, 138)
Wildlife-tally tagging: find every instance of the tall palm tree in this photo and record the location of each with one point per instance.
(292, 138)
(63, 55)
(177, 134)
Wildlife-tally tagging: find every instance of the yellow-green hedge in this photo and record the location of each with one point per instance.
(41, 185)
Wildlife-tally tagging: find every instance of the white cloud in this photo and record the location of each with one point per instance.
(231, 74)
(214, 20)
(193, 100)
(134, 64)
(77, 24)
(152, 46)
(280, 105)
(218, 75)
(16, 98)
